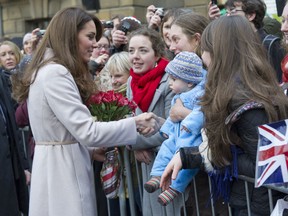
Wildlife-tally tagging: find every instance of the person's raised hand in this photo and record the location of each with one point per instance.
(102, 59)
(213, 11)
(155, 22)
(150, 12)
(119, 38)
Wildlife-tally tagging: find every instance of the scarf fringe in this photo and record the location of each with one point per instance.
(221, 179)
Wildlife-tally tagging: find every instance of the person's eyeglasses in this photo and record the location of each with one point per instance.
(233, 11)
(101, 46)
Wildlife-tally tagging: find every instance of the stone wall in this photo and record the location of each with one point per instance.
(20, 16)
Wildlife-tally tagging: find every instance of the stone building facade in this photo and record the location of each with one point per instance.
(20, 16)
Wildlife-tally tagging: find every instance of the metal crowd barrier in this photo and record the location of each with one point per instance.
(122, 194)
(247, 180)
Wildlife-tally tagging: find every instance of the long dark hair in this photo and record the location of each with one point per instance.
(62, 37)
(239, 71)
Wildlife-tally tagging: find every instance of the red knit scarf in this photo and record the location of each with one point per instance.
(144, 86)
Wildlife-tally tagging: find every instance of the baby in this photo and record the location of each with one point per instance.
(187, 80)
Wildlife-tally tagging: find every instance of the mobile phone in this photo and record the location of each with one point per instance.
(214, 2)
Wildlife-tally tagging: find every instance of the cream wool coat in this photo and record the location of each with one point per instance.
(62, 178)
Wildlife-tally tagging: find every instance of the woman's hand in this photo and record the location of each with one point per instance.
(178, 112)
(102, 59)
(119, 38)
(147, 124)
(171, 171)
(98, 154)
(144, 156)
(213, 11)
(28, 177)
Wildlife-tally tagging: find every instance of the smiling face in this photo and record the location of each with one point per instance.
(27, 47)
(118, 78)
(166, 31)
(87, 40)
(141, 54)
(7, 57)
(102, 47)
(180, 41)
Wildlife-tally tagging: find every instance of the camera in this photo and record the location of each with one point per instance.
(41, 32)
(160, 12)
(108, 24)
(125, 26)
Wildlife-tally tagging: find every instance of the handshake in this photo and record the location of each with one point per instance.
(148, 123)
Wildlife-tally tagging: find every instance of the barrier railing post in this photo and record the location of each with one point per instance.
(129, 183)
(211, 198)
(196, 197)
(270, 200)
(247, 198)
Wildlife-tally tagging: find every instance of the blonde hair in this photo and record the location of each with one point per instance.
(120, 62)
(15, 49)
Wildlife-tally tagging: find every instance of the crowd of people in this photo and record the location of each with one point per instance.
(202, 85)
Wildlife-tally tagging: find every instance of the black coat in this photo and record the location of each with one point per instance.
(13, 188)
(246, 130)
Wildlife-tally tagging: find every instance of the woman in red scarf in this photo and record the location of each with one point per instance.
(148, 85)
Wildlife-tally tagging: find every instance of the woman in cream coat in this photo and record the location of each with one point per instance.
(55, 85)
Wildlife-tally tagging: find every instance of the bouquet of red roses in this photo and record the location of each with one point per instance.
(110, 106)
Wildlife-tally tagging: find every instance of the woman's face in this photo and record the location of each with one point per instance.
(27, 47)
(102, 47)
(180, 42)
(166, 31)
(118, 78)
(284, 26)
(141, 54)
(206, 58)
(7, 57)
(87, 40)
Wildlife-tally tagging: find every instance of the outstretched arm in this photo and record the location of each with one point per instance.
(171, 171)
(186, 158)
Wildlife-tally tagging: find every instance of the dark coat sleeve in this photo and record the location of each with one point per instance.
(190, 157)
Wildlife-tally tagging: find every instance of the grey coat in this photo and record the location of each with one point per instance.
(160, 105)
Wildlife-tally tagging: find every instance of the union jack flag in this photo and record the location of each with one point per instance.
(272, 155)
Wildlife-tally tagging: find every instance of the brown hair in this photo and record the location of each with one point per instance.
(238, 72)
(62, 37)
(192, 23)
(157, 43)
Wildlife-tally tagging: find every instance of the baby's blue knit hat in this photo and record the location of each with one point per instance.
(186, 66)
